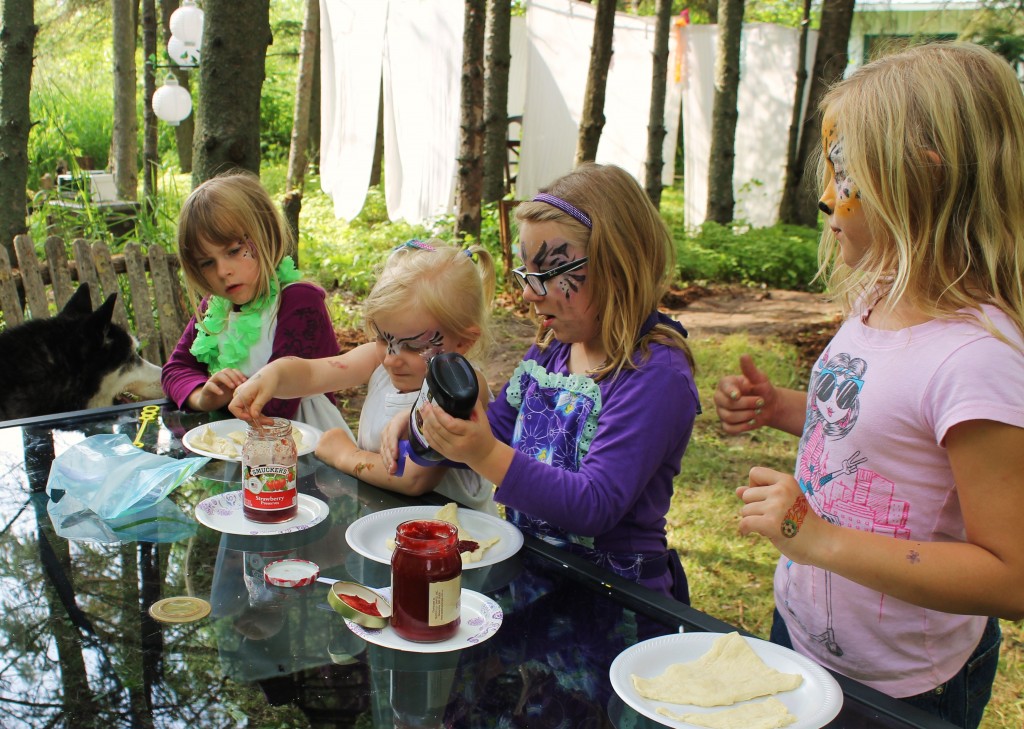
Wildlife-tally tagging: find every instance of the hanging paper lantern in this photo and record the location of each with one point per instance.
(187, 23)
(171, 102)
(186, 55)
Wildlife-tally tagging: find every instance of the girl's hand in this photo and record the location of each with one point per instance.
(775, 507)
(396, 430)
(250, 397)
(746, 401)
(463, 441)
(218, 390)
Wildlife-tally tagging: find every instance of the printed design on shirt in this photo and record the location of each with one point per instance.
(847, 494)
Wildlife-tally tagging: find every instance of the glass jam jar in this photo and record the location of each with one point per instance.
(269, 461)
(426, 581)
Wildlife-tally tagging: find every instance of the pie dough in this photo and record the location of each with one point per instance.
(230, 445)
(450, 513)
(767, 714)
(729, 672)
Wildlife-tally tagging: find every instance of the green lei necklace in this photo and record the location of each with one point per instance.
(221, 344)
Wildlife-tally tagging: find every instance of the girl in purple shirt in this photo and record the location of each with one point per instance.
(586, 437)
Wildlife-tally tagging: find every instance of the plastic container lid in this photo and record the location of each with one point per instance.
(179, 609)
(291, 573)
(351, 612)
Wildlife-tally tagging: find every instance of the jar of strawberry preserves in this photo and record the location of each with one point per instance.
(426, 581)
(269, 460)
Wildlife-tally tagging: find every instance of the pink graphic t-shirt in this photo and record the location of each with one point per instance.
(871, 457)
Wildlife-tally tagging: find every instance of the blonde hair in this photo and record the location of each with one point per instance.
(224, 210)
(933, 137)
(453, 285)
(631, 258)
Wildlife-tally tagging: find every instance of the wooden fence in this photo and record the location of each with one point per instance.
(155, 311)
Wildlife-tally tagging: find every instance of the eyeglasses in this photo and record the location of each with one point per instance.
(848, 390)
(536, 280)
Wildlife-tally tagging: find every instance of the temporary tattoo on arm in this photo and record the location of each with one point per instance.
(335, 363)
(362, 466)
(913, 556)
(794, 518)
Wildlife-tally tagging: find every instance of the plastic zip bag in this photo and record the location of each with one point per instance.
(109, 476)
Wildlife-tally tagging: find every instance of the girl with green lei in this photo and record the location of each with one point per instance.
(232, 243)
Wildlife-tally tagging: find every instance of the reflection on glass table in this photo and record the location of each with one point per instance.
(82, 650)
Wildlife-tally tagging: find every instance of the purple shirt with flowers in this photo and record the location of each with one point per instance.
(594, 461)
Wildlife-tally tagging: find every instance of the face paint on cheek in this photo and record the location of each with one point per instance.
(847, 192)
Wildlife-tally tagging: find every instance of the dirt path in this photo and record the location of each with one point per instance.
(801, 318)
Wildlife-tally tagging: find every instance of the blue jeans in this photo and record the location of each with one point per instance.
(962, 699)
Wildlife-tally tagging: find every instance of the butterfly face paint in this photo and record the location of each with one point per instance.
(424, 344)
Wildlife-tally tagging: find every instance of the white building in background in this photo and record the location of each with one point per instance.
(878, 22)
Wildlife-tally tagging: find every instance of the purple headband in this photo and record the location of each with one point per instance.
(566, 207)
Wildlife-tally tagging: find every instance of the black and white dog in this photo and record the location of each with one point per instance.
(76, 360)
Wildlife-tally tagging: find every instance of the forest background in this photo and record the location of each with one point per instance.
(72, 120)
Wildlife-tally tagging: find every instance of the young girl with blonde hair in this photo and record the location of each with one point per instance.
(233, 245)
(900, 532)
(585, 439)
(430, 298)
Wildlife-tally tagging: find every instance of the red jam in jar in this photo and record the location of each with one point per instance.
(426, 581)
(269, 460)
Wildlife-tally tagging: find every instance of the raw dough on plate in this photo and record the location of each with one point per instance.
(767, 714)
(731, 671)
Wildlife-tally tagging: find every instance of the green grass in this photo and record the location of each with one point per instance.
(730, 575)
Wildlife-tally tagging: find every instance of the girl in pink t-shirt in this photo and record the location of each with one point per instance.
(899, 531)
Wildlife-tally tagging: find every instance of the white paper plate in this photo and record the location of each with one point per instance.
(369, 535)
(481, 618)
(221, 428)
(814, 703)
(223, 512)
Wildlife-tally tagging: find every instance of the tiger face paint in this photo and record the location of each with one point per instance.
(841, 201)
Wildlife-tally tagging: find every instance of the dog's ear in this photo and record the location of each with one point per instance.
(105, 313)
(79, 304)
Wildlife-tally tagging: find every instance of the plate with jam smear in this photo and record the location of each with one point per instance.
(480, 619)
(373, 535)
(223, 513)
(223, 439)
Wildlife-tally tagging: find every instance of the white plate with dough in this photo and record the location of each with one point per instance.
(814, 703)
(369, 535)
(223, 439)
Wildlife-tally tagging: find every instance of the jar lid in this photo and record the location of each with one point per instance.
(291, 573)
(357, 603)
(179, 609)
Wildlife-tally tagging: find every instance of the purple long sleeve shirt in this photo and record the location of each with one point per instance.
(304, 329)
(623, 488)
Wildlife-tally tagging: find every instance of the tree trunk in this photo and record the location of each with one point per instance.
(656, 130)
(724, 112)
(800, 196)
(150, 151)
(497, 60)
(186, 129)
(378, 143)
(236, 34)
(313, 150)
(793, 171)
(125, 139)
(592, 120)
(17, 42)
(471, 146)
(300, 120)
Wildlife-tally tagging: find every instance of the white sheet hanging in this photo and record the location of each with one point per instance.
(422, 77)
(351, 52)
(768, 58)
(560, 35)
